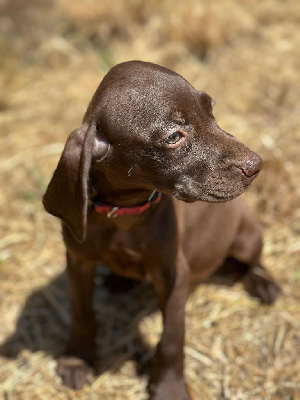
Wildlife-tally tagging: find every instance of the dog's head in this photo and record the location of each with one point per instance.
(148, 128)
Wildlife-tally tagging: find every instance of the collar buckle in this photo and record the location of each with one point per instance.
(112, 212)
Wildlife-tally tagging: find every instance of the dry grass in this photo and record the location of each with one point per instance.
(53, 55)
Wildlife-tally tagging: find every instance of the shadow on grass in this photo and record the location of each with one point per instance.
(120, 304)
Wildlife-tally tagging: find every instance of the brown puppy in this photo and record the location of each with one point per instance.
(149, 139)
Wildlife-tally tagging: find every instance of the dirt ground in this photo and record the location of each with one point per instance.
(53, 54)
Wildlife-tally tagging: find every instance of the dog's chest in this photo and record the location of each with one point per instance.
(124, 254)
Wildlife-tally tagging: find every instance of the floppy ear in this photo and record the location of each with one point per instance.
(67, 193)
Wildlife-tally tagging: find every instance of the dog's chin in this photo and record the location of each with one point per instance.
(209, 198)
(212, 196)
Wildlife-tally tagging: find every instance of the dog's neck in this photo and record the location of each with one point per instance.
(126, 198)
(113, 193)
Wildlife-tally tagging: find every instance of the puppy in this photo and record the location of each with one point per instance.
(149, 186)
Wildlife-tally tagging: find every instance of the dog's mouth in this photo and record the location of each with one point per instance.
(213, 186)
(192, 191)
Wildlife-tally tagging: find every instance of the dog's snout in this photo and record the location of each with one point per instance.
(252, 166)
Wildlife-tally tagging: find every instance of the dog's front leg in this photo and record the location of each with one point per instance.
(171, 285)
(74, 366)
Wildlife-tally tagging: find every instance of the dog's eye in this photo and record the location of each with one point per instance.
(174, 138)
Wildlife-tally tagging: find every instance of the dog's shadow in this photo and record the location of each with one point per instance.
(120, 305)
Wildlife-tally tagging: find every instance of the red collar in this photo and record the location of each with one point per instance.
(112, 211)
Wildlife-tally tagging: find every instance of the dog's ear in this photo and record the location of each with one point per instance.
(67, 193)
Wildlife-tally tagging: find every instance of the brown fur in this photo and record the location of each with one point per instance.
(121, 153)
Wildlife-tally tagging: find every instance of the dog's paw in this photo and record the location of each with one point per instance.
(74, 372)
(259, 283)
(168, 389)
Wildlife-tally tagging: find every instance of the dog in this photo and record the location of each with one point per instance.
(149, 186)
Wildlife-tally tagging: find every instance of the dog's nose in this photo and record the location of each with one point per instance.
(252, 166)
